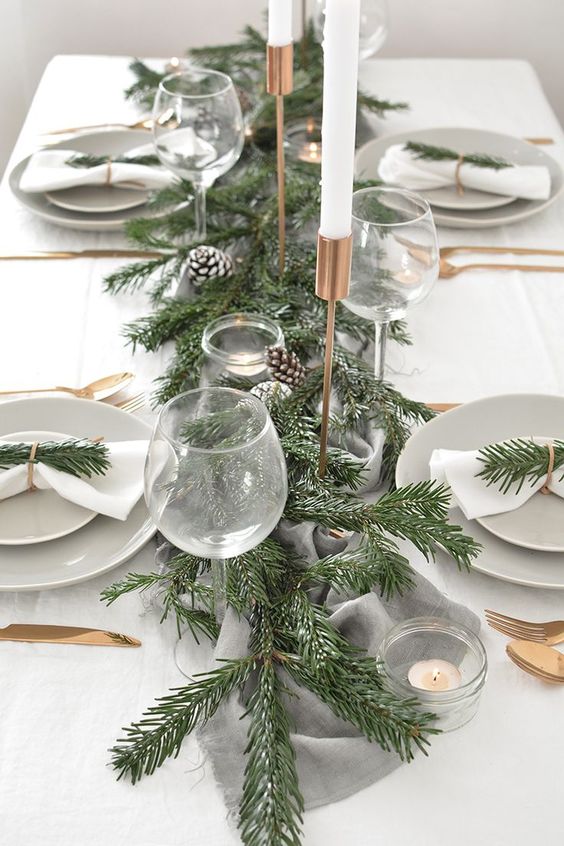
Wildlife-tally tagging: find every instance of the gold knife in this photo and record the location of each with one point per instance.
(65, 634)
(72, 254)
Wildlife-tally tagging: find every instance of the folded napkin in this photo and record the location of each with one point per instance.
(401, 167)
(47, 171)
(113, 494)
(472, 494)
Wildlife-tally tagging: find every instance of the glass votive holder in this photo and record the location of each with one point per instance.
(440, 663)
(303, 141)
(235, 345)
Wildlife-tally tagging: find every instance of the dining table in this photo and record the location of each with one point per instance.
(497, 780)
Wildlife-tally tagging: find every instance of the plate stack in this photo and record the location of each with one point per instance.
(471, 209)
(45, 540)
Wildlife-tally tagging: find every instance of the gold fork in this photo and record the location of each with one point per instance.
(550, 632)
(448, 270)
(132, 404)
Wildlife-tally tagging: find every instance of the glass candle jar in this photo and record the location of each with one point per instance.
(303, 141)
(440, 663)
(235, 345)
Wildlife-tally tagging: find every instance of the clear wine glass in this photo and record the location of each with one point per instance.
(373, 25)
(395, 260)
(198, 130)
(215, 482)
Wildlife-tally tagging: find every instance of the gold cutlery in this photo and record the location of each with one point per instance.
(132, 404)
(65, 634)
(550, 632)
(72, 254)
(539, 660)
(518, 251)
(144, 123)
(442, 406)
(539, 140)
(97, 390)
(448, 270)
(167, 117)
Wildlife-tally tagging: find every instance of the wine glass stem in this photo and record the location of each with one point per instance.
(200, 210)
(218, 583)
(381, 336)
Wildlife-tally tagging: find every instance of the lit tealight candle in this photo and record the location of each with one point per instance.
(434, 675)
(245, 364)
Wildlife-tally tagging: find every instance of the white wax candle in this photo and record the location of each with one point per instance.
(245, 364)
(279, 22)
(434, 675)
(340, 82)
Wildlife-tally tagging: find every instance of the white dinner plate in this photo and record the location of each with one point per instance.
(114, 142)
(472, 426)
(103, 543)
(98, 199)
(512, 149)
(40, 515)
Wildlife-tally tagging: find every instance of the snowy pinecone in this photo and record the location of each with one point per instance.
(267, 391)
(285, 366)
(207, 263)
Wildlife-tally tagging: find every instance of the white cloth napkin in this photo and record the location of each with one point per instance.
(47, 171)
(113, 494)
(473, 495)
(401, 167)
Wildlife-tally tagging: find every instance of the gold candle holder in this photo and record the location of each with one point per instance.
(279, 82)
(332, 281)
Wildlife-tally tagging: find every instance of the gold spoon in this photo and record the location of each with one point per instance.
(98, 390)
(167, 118)
(537, 659)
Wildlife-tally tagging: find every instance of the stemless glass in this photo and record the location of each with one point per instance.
(395, 260)
(215, 480)
(198, 130)
(373, 25)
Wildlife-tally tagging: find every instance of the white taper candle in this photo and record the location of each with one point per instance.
(279, 22)
(340, 82)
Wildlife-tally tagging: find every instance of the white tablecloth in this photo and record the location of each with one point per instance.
(496, 781)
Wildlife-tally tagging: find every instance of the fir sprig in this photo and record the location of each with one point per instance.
(80, 457)
(511, 464)
(159, 734)
(431, 153)
(87, 160)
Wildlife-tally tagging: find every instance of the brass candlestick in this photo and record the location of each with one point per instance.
(303, 60)
(279, 81)
(333, 275)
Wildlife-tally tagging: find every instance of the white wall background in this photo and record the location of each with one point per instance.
(32, 31)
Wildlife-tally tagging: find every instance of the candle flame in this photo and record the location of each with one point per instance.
(313, 151)
(310, 125)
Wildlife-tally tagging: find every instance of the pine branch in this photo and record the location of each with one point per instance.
(518, 461)
(147, 744)
(80, 457)
(179, 592)
(419, 513)
(271, 806)
(428, 152)
(87, 160)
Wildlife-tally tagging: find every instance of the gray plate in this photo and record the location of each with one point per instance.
(97, 199)
(477, 140)
(113, 142)
(472, 426)
(102, 544)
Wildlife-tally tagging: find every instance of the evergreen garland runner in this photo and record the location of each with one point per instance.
(270, 584)
(244, 61)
